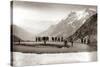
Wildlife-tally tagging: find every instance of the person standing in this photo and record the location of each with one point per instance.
(65, 43)
(71, 40)
(81, 40)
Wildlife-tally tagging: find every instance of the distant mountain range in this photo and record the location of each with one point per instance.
(16, 39)
(20, 33)
(65, 28)
(69, 25)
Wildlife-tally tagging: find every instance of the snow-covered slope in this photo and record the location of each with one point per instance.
(69, 25)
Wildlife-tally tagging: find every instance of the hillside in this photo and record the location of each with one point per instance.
(21, 33)
(89, 28)
(16, 39)
(66, 27)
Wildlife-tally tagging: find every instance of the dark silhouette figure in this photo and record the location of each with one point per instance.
(81, 40)
(45, 39)
(53, 39)
(39, 39)
(71, 40)
(62, 39)
(19, 42)
(58, 39)
(36, 39)
(85, 40)
(66, 44)
(88, 41)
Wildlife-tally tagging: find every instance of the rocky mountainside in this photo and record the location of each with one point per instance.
(88, 28)
(69, 25)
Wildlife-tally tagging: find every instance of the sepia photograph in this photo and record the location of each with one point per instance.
(52, 33)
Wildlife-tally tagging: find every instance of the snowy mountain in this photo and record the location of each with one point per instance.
(69, 25)
(89, 28)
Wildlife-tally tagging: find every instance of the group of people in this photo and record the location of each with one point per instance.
(85, 40)
(53, 39)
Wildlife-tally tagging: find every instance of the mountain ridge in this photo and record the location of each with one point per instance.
(69, 25)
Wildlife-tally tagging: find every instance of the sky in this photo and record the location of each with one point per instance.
(37, 17)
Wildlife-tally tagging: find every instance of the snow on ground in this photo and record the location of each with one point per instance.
(29, 59)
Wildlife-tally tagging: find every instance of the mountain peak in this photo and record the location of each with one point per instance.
(70, 24)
